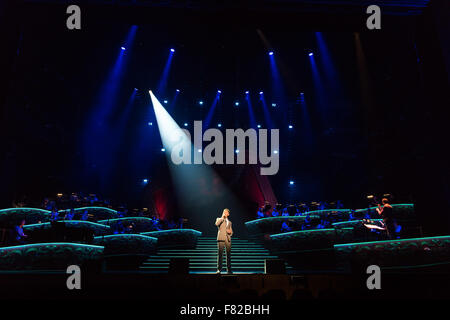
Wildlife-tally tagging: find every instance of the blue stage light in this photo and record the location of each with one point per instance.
(199, 150)
(218, 91)
(259, 126)
(275, 151)
(200, 102)
(178, 90)
(185, 124)
(301, 93)
(123, 48)
(135, 89)
(270, 53)
(237, 151)
(236, 103)
(261, 92)
(163, 149)
(247, 92)
(172, 50)
(274, 104)
(145, 181)
(150, 123)
(310, 54)
(290, 126)
(291, 182)
(165, 101)
(219, 125)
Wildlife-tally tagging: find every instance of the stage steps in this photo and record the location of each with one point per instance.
(247, 256)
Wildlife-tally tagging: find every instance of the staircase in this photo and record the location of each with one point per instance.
(246, 257)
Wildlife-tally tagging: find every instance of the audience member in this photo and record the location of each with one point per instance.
(70, 215)
(285, 227)
(259, 213)
(85, 215)
(54, 215)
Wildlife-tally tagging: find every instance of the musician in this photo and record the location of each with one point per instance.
(386, 213)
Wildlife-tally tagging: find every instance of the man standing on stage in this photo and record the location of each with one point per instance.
(224, 239)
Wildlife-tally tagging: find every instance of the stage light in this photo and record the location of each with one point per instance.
(185, 124)
(200, 103)
(165, 101)
(172, 50)
(310, 54)
(291, 182)
(163, 149)
(236, 103)
(261, 92)
(219, 125)
(259, 126)
(178, 90)
(150, 123)
(270, 53)
(199, 150)
(275, 151)
(274, 104)
(218, 91)
(145, 181)
(247, 92)
(237, 151)
(123, 48)
(135, 89)
(290, 126)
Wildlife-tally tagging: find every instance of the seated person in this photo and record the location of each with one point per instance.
(155, 224)
(285, 212)
(267, 209)
(386, 212)
(54, 215)
(275, 212)
(307, 223)
(19, 236)
(130, 228)
(85, 215)
(321, 224)
(322, 205)
(119, 228)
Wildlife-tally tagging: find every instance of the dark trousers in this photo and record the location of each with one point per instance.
(220, 245)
